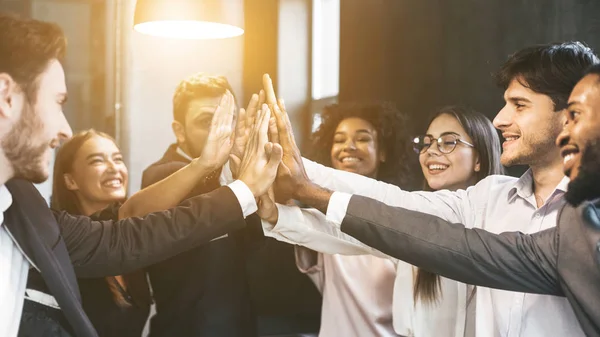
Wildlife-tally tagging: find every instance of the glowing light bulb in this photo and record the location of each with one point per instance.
(188, 29)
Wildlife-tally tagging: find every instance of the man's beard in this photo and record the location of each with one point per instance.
(535, 149)
(24, 156)
(587, 184)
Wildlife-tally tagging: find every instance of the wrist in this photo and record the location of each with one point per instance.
(305, 191)
(274, 216)
(201, 167)
(314, 196)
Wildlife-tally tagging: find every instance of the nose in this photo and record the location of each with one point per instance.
(434, 149)
(111, 166)
(564, 136)
(64, 130)
(503, 119)
(349, 145)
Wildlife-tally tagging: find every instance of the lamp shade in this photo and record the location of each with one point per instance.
(189, 19)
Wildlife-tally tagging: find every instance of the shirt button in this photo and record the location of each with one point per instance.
(537, 215)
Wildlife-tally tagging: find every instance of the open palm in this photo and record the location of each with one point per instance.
(219, 142)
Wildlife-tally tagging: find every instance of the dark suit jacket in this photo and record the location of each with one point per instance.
(235, 286)
(62, 246)
(201, 292)
(560, 261)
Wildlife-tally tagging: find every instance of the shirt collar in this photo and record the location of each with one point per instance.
(5, 202)
(183, 154)
(523, 187)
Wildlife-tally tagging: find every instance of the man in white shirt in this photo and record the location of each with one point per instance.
(32, 92)
(537, 83)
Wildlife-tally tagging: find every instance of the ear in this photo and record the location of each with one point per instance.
(382, 156)
(70, 182)
(178, 131)
(477, 164)
(7, 89)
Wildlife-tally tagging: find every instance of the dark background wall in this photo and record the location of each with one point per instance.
(428, 53)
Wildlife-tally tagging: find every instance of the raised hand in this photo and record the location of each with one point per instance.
(291, 176)
(258, 167)
(220, 138)
(245, 122)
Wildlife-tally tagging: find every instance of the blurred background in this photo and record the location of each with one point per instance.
(419, 54)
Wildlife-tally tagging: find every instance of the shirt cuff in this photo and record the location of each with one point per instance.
(244, 196)
(337, 208)
(226, 176)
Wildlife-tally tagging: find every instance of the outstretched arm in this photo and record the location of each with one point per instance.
(511, 261)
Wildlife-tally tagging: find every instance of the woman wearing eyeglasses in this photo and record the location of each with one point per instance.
(459, 148)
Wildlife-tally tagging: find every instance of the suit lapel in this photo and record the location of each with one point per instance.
(34, 228)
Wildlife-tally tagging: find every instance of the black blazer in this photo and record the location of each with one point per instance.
(62, 246)
(560, 261)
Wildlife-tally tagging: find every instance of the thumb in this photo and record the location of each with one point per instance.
(275, 155)
(265, 200)
(268, 148)
(235, 160)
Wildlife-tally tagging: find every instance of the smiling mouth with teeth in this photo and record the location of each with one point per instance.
(437, 167)
(350, 160)
(568, 157)
(113, 183)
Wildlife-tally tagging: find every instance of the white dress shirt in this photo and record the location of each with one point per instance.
(496, 204)
(14, 268)
(309, 228)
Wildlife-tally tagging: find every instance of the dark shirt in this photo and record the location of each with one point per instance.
(109, 318)
(202, 292)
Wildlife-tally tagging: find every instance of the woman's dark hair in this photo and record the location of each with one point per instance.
(549, 69)
(64, 199)
(487, 145)
(393, 138)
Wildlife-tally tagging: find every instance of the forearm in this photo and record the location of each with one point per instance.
(510, 261)
(309, 228)
(314, 196)
(111, 248)
(166, 193)
(445, 204)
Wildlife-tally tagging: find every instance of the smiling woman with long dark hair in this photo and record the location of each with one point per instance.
(90, 178)
(371, 140)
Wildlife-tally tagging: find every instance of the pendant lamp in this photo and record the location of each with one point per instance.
(189, 19)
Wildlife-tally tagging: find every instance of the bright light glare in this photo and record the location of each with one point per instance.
(188, 29)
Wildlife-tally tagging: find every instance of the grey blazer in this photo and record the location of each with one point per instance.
(560, 261)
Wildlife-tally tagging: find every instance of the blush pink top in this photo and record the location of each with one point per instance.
(357, 292)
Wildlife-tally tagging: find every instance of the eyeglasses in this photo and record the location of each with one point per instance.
(446, 143)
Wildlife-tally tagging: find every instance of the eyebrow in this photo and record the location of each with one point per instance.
(444, 133)
(99, 154)
(91, 155)
(204, 113)
(357, 131)
(571, 104)
(516, 99)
